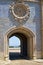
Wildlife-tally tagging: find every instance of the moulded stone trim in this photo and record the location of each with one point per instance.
(27, 33)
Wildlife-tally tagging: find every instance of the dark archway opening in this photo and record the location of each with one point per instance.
(23, 48)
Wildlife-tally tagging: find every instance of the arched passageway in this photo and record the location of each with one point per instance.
(27, 39)
(23, 47)
(14, 47)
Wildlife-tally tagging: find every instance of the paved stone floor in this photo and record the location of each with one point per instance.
(22, 62)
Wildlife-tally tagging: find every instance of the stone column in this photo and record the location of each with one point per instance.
(6, 54)
(42, 28)
(31, 47)
(34, 48)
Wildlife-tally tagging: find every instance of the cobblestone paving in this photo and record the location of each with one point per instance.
(21, 62)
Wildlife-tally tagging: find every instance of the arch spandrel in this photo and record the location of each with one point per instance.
(21, 30)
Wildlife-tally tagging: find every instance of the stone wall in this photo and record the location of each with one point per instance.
(7, 21)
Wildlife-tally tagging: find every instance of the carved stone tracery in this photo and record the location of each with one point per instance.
(20, 11)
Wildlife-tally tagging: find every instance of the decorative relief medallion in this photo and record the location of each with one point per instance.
(20, 11)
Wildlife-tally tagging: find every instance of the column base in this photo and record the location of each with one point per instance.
(6, 58)
(34, 58)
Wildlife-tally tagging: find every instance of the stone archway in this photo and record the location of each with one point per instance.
(30, 41)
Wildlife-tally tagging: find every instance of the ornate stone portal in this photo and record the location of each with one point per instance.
(30, 41)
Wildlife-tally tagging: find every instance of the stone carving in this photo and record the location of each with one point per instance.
(20, 11)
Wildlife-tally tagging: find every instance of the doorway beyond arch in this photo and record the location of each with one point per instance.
(30, 41)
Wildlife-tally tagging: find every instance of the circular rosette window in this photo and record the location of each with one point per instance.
(20, 11)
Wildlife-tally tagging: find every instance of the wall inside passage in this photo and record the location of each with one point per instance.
(7, 21)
